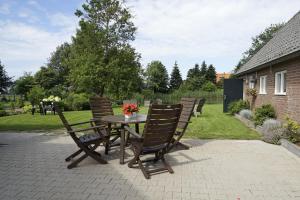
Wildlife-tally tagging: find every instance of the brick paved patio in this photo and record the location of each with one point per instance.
(32, 167)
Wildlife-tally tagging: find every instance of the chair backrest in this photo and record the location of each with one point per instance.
(187, 111)
(62, 117)
(100, 106)
(200, 104)
(161, 124)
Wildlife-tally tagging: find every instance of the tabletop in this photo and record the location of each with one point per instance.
(140, 118)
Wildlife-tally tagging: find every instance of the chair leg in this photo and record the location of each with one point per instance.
(185, 146)
(168, 167)
(75, 162)
(147, 176)
(73, 155)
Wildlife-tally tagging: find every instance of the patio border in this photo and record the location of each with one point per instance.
(291, 147)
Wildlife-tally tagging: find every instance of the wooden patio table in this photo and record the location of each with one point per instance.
(120, 119)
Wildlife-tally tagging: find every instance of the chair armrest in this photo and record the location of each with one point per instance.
(85, 129)
(184, 121)
(132, 132)
(80, 123)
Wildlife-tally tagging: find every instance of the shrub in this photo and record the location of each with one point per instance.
(273, 135)
(27, 108)
(3, 113)
(246, 114)
(271, 124)
(264, 112)
(237, 106)
(19, 102)
(209, 87)
(77, 102)
(292, 130)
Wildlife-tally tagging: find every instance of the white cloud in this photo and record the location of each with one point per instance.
(192, 30)
(25, 47)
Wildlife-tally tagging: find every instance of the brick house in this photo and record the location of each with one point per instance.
(275, 72)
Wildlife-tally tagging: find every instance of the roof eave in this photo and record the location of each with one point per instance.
(271, 63)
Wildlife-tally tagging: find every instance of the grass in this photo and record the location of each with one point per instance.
(212, 124)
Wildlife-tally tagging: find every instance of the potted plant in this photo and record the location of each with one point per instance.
(130, 110)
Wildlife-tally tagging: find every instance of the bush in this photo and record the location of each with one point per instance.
(19, 103)
(3, 113)
(77, 102)
(209, 87)
(237, 106)
(264, 112)
(246, 114)
(27, 108)
(292, 130)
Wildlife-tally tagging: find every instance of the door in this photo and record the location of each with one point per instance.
(233, 91)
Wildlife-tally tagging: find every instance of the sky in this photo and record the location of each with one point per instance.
(186, 31)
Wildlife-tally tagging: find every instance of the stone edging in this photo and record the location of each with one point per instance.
(290, 147)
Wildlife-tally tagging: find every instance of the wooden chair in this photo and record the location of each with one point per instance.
(87, 143)
(184, 120)
(102, 106)
(159, 129)
(198, 107)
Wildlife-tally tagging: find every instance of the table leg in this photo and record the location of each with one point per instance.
(137, 129)
(122, 144)
(108, 142)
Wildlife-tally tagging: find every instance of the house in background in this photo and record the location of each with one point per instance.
(222, 76)
(274, 71)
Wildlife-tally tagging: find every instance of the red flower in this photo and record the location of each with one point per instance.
(128, 109)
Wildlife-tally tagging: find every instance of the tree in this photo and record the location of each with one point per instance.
(24, 84)
(100, 46)
(35, 95)
(211, 74)
(203, 69)
(175, 80)
(5, 80)
(157, 77)
(258, 42)
(47, 77)
(193, 72)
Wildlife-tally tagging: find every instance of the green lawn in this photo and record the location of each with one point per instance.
(210, 125)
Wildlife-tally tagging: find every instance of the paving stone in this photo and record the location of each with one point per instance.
(32, 167)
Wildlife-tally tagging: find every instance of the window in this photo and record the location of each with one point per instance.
(251, 82)
(263, 85)
(280, 83)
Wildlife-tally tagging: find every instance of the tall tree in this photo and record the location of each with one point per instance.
(211, 74)
(99, 48)
(24, 84)
(193, 72)
(203, 69)
(176, 79)
(258, 42)
(157, 77)
(5, 80)
(47, 77)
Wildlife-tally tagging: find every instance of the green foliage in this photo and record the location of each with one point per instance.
(209, 87)
(101, 57)
(203, 69)
(27, 108)
(293, 129)
(5, 80)
(77, 102)
(194, 83)
(19, 102)
(157, 77)
(236, 106)
(264, 112)
(258, 42)
(35, 95)
(211, 74)
(194, 72)
(176, 79)
(3, 113)
(24, 84)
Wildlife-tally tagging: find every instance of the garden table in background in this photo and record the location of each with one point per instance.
(120, 119)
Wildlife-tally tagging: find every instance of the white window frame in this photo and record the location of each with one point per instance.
(281, 82)
(263, 84)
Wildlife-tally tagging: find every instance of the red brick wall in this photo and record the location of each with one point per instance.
(284, 105)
